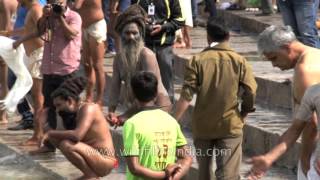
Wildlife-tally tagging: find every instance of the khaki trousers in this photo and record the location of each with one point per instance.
(227, 152)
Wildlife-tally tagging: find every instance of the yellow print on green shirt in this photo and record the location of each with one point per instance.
(162, 139)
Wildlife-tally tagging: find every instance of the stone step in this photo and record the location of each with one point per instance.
(275, 173)
(274, 85)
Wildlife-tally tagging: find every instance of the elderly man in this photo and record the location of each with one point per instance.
(165, 18)
(280, 46)
(133, 57)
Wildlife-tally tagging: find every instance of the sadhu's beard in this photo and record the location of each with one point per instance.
(130, 53)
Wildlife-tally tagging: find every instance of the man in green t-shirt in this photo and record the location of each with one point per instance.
(152, 138)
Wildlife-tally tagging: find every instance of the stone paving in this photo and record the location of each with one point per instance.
(265, 119)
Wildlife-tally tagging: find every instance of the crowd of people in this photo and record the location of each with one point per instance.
(60, 37)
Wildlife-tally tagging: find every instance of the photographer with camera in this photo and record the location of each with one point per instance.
(60, 28)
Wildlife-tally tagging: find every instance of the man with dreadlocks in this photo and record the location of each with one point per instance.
(133, 57)
(89, 145)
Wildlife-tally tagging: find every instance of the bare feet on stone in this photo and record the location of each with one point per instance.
(33, 141)
(3, 118)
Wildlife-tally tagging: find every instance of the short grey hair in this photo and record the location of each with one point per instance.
(275, 37)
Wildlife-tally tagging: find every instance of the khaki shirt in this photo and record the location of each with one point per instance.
(216, 76)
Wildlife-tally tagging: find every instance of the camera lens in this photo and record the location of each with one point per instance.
(57, 8)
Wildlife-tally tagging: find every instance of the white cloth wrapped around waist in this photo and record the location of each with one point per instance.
(14, 59)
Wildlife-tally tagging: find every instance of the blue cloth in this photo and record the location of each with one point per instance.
(21, 15)
(301, 15)
(194, 8)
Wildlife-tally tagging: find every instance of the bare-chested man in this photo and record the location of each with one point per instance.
(7, 10)
(34, 52)
(133, 57)
(89, 146)
(280, 46)
(94, 35)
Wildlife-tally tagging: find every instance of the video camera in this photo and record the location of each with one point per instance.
(57, 8)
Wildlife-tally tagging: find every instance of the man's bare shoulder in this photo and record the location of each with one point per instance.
(89, 107)
(309, 61)
(91, 3)
(36, 10)
(147, 53)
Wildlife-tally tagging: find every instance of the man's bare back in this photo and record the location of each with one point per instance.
(98, 135)
(33, 15)
(90, 11)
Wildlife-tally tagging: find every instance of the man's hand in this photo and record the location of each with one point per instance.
(260, 166)
(156, 29)
(171, 170)
(47, 10)
(16, 44)
(114, 120)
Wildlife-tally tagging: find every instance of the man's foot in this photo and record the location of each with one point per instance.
(3, 117)
(33, 141)
(25, 124)
(3, 122)
(41, 150)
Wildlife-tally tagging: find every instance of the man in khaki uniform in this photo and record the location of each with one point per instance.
(216, 75)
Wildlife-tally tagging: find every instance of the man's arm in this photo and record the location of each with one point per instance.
(262, 163)
(176, 20)
(27, 37)
(84, 122)
(150, 62)
(138, 170)
(78, 4)
(184, 162)
(249, 85)
(36, 16)
(72, 29)
(190, 85)
(7, 15)
(181, 107)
